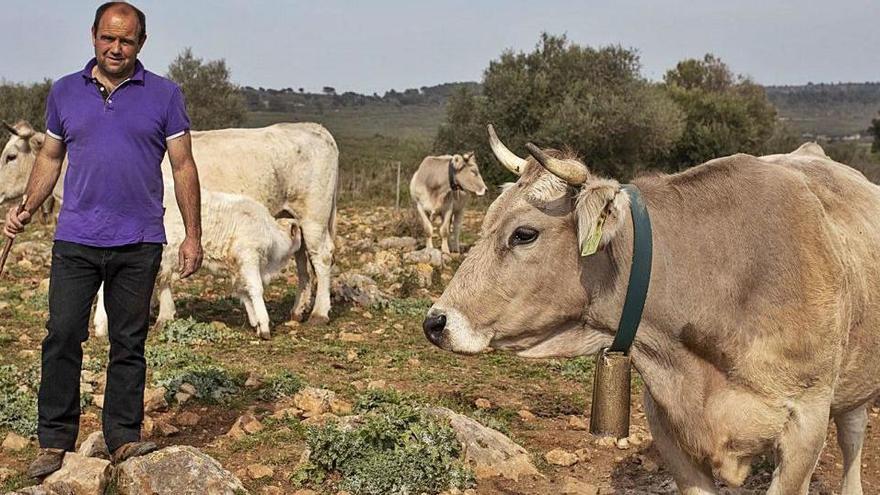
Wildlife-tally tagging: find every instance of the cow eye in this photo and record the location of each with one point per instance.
(523, 235)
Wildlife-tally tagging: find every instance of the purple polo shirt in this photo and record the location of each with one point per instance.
(113, 187)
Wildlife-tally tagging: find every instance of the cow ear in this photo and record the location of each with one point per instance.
(36, 141)
(458, 162)
(467, 156)
(600, 209)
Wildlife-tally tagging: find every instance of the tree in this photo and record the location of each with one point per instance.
(592, 101)
(212, 100)
(23, 102)
(329, 90)
(724, 114)
(874, 130)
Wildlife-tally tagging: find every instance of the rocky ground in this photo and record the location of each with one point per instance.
(246, 406)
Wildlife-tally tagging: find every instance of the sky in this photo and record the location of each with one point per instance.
(377, 45)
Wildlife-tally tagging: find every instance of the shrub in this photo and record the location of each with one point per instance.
(213, 383)
(283, 384)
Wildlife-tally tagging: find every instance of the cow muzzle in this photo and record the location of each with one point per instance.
(434, 326)
(450, 330)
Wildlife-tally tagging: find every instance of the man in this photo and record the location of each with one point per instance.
(115, 121)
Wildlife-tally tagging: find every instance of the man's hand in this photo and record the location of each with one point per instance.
(189, 256)
(15, 222)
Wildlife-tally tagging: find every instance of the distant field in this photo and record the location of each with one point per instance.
(372, 140)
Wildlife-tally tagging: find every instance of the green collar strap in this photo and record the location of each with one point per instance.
(639, 275)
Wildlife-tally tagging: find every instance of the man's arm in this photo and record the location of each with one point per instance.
(186, 189)
(44, 175)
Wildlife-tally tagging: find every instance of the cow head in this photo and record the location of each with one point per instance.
(524, 285)
(467, 173)
(17, 158)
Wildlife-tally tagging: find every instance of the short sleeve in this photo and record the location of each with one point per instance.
(176, 118)
(54, 127)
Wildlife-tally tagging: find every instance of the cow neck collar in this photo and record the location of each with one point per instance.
(453, 184)
(639, 275)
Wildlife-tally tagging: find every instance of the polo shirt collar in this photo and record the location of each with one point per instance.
(138, 75)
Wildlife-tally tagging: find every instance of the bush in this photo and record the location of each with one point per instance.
(18, 403)
(190, 331)
(173, 357)
(23, 102)
(397, 449)
(283, 384)
(213, 383)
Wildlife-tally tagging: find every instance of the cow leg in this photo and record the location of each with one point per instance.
(253, 283)
(248, 307)
(318, 241)
(691, 478)
(167, 311)
(444, 230)
(46, 210)
(850, 436)
(798, 449)
(426, 225)
(457, 217)
(100, 319)
(304, 284)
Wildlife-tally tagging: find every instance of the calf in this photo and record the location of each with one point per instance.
(240, 240)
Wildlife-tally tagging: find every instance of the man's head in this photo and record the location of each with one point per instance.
(118, 34)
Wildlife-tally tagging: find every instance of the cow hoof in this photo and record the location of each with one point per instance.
(318, 320)
(159, 325)
(263, 335)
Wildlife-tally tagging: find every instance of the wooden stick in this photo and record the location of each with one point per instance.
(8, 246)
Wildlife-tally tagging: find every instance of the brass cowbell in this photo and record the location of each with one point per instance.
(609, 414)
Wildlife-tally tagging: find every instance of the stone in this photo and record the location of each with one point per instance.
(314, 401)
(428, 256)
(578, 423)
(606, 441)
(182, 397)
(148, 426)
(245, 425)
(483, 404)
(351, 337)
(14, 442)
(305, 491)
(43, 288)
(175, 470)
(287, 412)
(320, 419)
(560, 457)
(340, 407)
(94, 446)
(583, 455)
(353, 287)
(98, 401)
(6, 473)
(253, 381)
(376, 385)
(574, 486)
(424, 274)
(260, 471)
(154, 399)
(84, 475)
(487, 452)
(272, 490)
(187, 418)
(526, 415)
(188, 388)
(623, 444)
(403, 243)
(166, 429)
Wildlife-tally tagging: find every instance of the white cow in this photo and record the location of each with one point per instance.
(16, 161)
(240, 239)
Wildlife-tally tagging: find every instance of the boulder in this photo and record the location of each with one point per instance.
(352, 287)
(402, 243)
(488, 452)
(314, 401)
(83, 475)
(175, 470)
(94, 446)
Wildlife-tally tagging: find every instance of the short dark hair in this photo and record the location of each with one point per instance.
(142, 19)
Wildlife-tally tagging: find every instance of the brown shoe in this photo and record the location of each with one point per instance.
(47, 462)
(132, 449)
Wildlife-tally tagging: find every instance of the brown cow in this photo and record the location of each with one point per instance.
(762, 317)
(438, 188)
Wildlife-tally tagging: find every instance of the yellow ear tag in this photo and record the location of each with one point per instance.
(592, 243)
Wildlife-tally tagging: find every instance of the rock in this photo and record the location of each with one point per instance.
(253, 381)
(245, 425)
(271, 490)
(14, 442)
(424, 274)
(526, 415)
(340, 407)
(88, 377)
(583, 455)
(43, 288)
(560, 457)
(98, 401)
(320, 419)
(376, 385)
(175, 470)
(5, 474)
(483, 404)
(431, 257)
(305, 491)
(25, 264)
(488, 452)
(148, 426)
(188, 418)
(574, 486)
(260, 471)
(352, 287)
(154, 400)
(314, 401)
(188, 388)
(85, 475)
(166, 429)
(623, 444)
(4, 305)
(351, 337)
(94, 446)
(182, 397)
(578, 423)
(287, 412)
(403, 243)
(606, 441)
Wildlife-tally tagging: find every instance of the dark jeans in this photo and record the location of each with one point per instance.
(128, 273)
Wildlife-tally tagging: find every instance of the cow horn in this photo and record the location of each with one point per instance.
(9, 128)
(571, 171)
(507, 158)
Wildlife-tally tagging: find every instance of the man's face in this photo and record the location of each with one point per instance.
(116, 42)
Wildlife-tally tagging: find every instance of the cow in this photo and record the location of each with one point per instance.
(761, 319)
(292, 170)
(438, 188)
(240, 240)
(16, 161)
